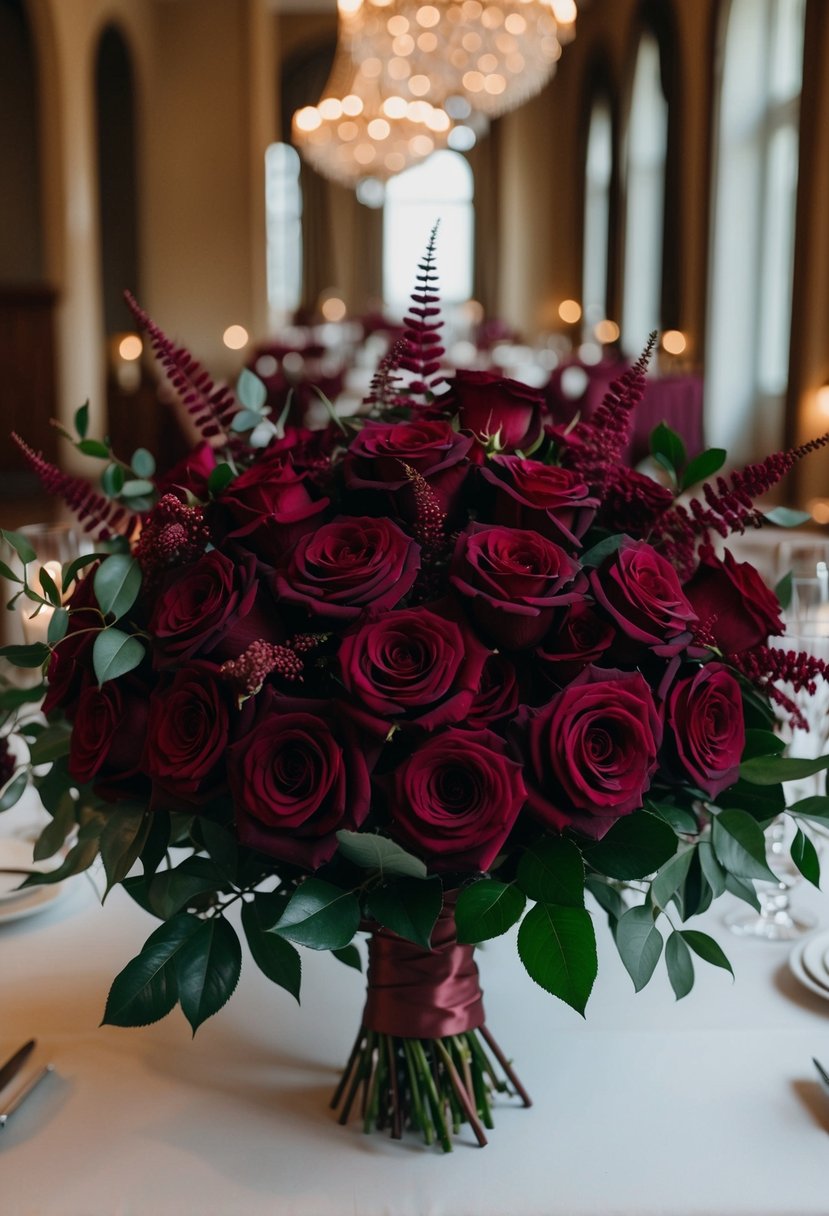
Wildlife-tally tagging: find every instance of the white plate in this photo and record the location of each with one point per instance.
(814, 949)
(33, 900)
(800, 973)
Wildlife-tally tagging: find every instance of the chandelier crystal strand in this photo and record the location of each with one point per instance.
(460, 55)
(358, 130)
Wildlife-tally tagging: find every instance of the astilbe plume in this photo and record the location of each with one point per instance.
(728, 506)
(248, 672)
(385, 389)
(173, 535)
(421, 351)
(101, 517)
(599, 443)
(766, 666)
(211, 406)
(430, 532)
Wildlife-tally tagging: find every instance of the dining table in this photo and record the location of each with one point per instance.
(647, 1106)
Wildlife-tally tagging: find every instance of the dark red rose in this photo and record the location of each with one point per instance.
(70, 667)
(732, 600)
(581, 638)
(641, 591)
(349, 565)
(191, 473)
(297, 777)
(499, 692)
(513, 580)
(416, 666)
(590, 753)
(108, 733)
(211, 608)
(544, 498)
(188, 733)
(706, 731)
(455, 799)
(269, 507)
(378, 455)
(492, 406)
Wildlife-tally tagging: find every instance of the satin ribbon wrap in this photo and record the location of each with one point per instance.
(422, 994)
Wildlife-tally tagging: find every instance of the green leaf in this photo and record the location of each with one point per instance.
(13, 698)
(695, 894)
(706, 948)
(783, 591)
(146, 990)
(26, 656)
(771, 770)
(816, 807)
(220, 478)
(7, 572)
(51, 744)
(552, 871)
(221, 846)
(171, 890)
(156, 844)
(112, 480)
(604, 548)
(207, 970)
(714, 874)
(681, 820)
(93, 447)
(670, 878)
(53, 837)
(740, 846)
(804, 856)
(785, 517)
(143, 463)
(607, 897)
(251, 392)
(21, 545)
(73, 568)
(666, 443)
(49, 588)
(245, 420)
(558, 949)
(636, 846)
(349, 955)
(121, 842)
(762, 743)
(58, 626)
(79, 858)
(486, 909)
(680, 965)
(639, 943)
(379, 854)
(117, 583)
(762, 802)
(320, 915)
(114, 654)
(742, 890)
(409, 907)
(137, 487)
(273, 955)
(703, 466)
(81, 420)
(13, 790)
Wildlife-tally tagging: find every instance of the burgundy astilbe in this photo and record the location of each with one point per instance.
(101, 517)
(250, 670)
(766, 667)
(598, 444)
(429, 530)
(421, 352)
(385, 389)
(211, 406)
(633, 502)
(728, 506)
(173, 535)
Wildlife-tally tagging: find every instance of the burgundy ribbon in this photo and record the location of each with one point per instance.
(422, 994)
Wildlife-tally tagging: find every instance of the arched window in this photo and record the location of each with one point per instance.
(597, 176)
(283, 220)
(647, 138)
(439, 189)
(752, 250)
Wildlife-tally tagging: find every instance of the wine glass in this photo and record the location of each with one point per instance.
(808, 563)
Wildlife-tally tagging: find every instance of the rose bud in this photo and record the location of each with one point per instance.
(543, 498)
(375, 467)
(732, 601)
(641, 592)
(706, 731)
(492, 406)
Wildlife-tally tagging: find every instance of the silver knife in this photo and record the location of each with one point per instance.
(24, 1092)
(13, 1065)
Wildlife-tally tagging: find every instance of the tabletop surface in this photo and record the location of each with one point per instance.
(648, 1107)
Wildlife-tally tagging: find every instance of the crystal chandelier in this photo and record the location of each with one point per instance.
(458, 54)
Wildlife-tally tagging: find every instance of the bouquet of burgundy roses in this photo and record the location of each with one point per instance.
(426, 673)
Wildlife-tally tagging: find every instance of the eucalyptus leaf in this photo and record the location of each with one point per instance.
(51, 744)
(49, 587)
(320, 915)
(114, 654)
(73, 568)
(552, 871)
(486, 909)
(33, 655)
(783, 591)
(409, 907)
(21, 545)
(558, 949)
(117, 582)
(670, 878)
(207, 970)
(639, 943)
(13, 698)
(13, 790)
(53, 837)
(112, 480)
(58, 625)
(93, 447)
(79, 858)
(81, 420)
(245, 420)
(251, 392)
(706, 948)
(137, 487)
(680, 965)
(786, 517)
(143, 463)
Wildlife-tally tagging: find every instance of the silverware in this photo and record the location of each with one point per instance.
(13, 1065)
(822, 1073)
(24, 1092)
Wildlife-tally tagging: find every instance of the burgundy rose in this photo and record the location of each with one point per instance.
(188, 733)
(420, 666)
(298, 775)
(641, 591)
(269, 507)
(499, 692)
(513, 580)
(377, 459)
(581, 638)
(732, 600)
(349, 565)
(108, 733)
(492, 406)
(455, 799)
(545, 498)
(211, 607)
(191, 473)
(704, 716)
(590, 753)
(70, 667)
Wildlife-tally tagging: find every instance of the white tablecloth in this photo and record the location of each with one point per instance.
(648, 1107)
